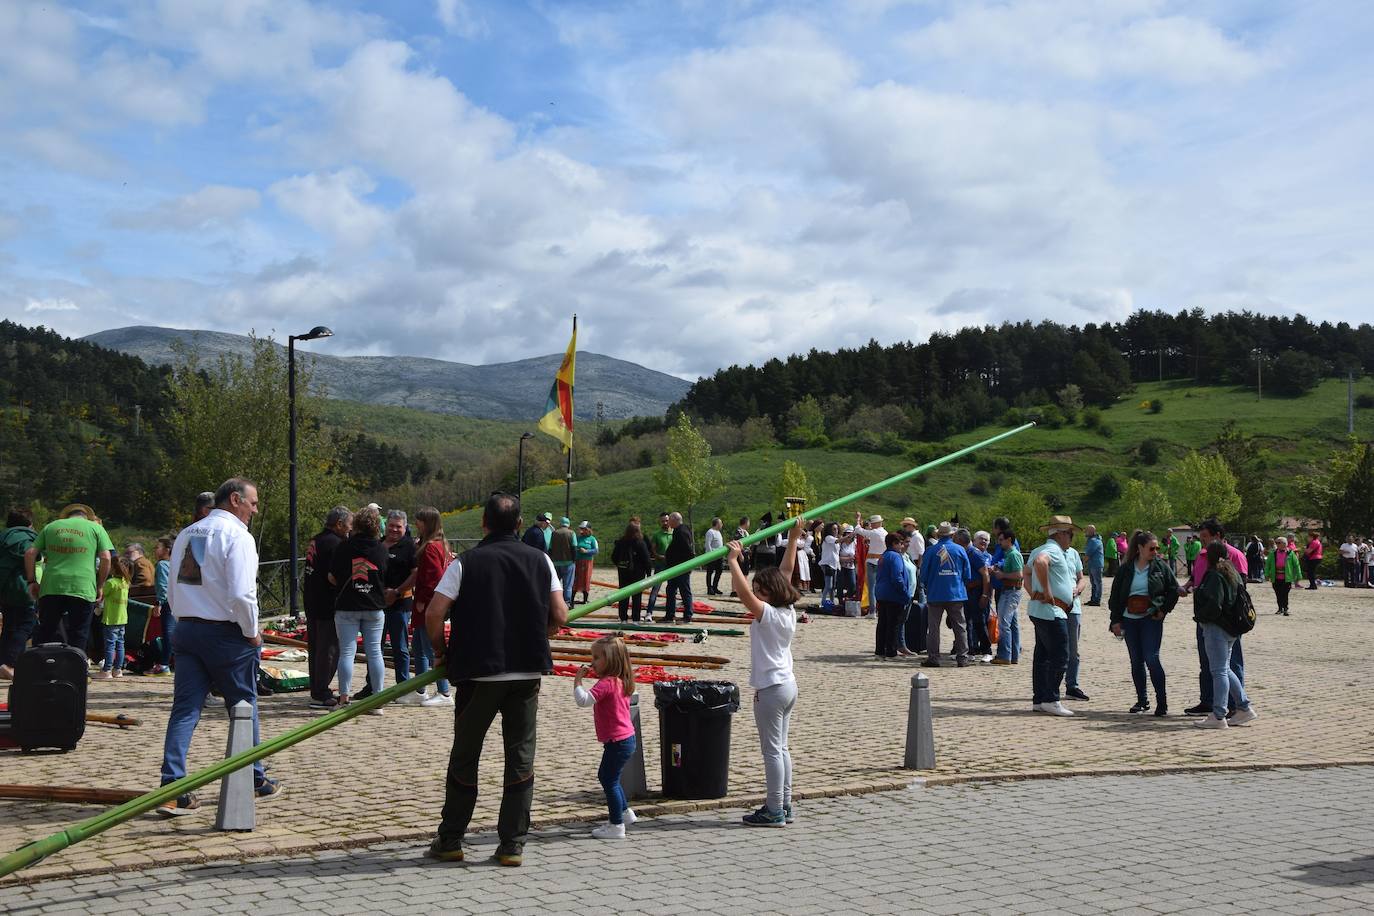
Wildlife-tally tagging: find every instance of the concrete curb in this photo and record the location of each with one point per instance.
(270, 848)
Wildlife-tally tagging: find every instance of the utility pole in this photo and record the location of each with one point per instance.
(1350, 402)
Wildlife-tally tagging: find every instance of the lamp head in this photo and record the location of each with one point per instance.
(317, 332)
(527, 436)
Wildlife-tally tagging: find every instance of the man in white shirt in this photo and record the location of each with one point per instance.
(1349, 554)
(213, 591)
(876, 536)
(714, 541)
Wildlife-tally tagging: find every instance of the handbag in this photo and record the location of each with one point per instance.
(1138, 604)
(851, 609)
(994, 625)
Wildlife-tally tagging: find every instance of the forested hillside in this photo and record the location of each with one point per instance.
(956, 382)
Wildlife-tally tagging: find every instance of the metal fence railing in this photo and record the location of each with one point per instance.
(274, 579)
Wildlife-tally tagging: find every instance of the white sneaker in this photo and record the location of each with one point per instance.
(608, 832)
(376, 711)
(1242, 717)
(629, 816)
(412, 699)
(1211, 722)
(439, 699)
(1056, 709)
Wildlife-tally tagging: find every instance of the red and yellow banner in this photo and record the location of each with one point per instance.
(558, 417)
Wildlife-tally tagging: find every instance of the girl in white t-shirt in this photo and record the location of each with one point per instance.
(769, 601)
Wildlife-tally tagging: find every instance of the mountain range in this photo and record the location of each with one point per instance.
(505, 391)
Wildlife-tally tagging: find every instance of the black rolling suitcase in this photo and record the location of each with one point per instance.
(48, 698)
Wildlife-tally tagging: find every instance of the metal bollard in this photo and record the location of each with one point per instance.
(632, 778)
(236, 797)
(920, 731)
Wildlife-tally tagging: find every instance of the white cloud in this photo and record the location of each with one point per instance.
(51, 305)
(1090, 41)
(458, 18)
(213, 206)
(331, 204)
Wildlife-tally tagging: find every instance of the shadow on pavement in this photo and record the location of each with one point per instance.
(1339, 873)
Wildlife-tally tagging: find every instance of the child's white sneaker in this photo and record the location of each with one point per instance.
(608, 832)
(629, 816)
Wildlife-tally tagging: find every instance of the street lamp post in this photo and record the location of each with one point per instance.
(313, 334)
(520, 466)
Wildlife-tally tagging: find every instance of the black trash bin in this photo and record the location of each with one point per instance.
(694, 736)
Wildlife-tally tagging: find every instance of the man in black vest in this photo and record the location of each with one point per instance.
(505, 602)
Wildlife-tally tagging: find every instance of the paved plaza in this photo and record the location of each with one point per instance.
(379, 779)
(1277, 841)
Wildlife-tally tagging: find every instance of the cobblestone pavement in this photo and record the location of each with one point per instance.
(378, 779)
(1280, 841)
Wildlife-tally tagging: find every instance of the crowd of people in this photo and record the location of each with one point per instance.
(371, 578)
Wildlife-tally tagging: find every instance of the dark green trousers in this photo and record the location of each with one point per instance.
(476, 704)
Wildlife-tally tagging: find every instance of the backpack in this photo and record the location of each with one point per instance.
(1239, 618)
(14, 587)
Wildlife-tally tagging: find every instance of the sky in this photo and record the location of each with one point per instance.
(704, 182)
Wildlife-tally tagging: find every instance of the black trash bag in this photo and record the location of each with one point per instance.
(697, 697)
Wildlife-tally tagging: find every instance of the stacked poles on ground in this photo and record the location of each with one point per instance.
(41, 849)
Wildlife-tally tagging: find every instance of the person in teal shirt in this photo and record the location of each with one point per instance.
(1052, 584)
(585, 551)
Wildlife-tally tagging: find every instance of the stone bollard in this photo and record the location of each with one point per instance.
(920, 731)
(236, 797)
(632, 778)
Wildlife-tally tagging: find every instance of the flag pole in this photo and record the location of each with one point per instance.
(567, 477)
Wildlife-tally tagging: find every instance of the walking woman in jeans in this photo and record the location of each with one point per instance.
(1144, 591)
(1214, 596)
(359, 603)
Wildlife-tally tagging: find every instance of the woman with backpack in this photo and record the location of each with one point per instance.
(1217, 603)
(632, 564)
(1144, 591)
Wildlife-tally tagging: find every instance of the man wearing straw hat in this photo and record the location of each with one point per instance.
(1051, 582)
(76, 551)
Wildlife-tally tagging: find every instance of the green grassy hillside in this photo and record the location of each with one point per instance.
(445, 438)
(1063, 463)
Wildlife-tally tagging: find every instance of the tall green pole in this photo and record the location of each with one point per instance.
(41, 849)
(779, 527)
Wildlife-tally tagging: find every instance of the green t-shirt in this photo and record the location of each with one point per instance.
(1012, 562)
(71, 548)
(116, 602)
(1172, 551)
(661, 540)
(1109, 548)
(1191, 550)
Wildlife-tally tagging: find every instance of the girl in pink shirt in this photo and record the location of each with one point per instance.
(610, 702)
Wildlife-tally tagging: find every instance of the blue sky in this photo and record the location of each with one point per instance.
(704, 183)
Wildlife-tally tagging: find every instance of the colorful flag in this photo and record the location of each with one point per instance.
(558, 417)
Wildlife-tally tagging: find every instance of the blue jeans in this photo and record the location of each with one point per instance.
(396, 627)
(19, 622)
(169, 629)
(1050, 659)
(209, 655)
(828, 584)
(679, 585)
(653, 592)
(566, 576)
(1009, 625)
(348, 624)
(1204, 678)
(1225, 682)
(1071, 668)
(870, 579)
(114, 647)
(1095, 577)
(1143, 639)
(422, 650)
(614, 756)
